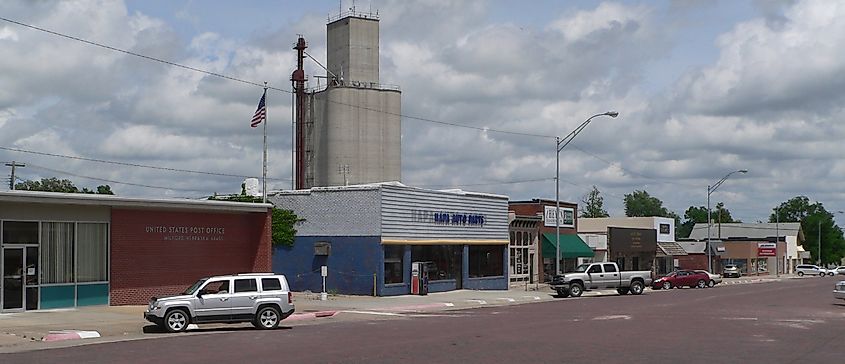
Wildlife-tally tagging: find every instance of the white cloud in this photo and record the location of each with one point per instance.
(607, 17)
(792, 65)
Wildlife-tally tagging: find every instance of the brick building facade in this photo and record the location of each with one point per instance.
(67, 250)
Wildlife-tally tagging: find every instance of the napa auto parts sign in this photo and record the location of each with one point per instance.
(767, 249)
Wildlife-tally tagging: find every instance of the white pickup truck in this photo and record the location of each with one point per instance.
(603, 275)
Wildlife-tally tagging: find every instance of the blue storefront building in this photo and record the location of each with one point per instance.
(368, 236)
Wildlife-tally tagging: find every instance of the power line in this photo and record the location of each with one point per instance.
(491, 183)
(252, 83)
(132, 164)
(112, 181)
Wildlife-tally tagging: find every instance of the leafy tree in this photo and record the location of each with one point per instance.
(593, 204)
(283, 227)
(54, 184)
(283, 221)
(698, 215)
(641, 204)
(813, 215)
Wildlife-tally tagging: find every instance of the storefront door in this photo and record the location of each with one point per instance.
(13, 279)
(20, 278)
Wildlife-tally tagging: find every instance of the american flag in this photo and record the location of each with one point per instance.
(260, 113)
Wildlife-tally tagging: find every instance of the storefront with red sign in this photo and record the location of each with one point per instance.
(754, 256)
(66, 250)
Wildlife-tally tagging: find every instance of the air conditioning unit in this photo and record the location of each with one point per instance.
(323, 248)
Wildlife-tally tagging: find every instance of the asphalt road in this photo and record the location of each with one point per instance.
(791, 321)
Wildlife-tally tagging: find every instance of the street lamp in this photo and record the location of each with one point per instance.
(820, 238)
(710, 190)
(559, 145)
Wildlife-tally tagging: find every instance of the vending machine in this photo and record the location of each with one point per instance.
(419, 278)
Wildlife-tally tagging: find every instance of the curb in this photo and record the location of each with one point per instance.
(310, 315)
(70, 335)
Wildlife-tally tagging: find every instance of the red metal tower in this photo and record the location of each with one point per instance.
(298, 81)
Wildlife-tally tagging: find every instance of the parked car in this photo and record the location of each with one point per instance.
(731, 271)
(714, 278)
(810, 269)
(839, 290)
(600, 276)
(261, 298)
(682, 278)
(839, 270)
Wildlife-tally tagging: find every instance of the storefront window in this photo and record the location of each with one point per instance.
(446, 259)
(92, 253)
(486, 261)
(57, 252)
(393, 257)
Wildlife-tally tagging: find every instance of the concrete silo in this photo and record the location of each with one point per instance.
(350, 130)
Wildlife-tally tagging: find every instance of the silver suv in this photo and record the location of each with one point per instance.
(261, 298)
(810, 269)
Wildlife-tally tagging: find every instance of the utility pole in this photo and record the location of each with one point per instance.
(12, 180)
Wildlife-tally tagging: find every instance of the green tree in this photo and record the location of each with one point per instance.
(283, 223)
(698, 215)
(812, 216)
(593, 204)
(283, 227)
(54, 184)
(641, 204)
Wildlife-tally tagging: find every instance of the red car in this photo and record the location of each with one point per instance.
(682, 278)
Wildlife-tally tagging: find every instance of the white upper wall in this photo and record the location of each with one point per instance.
(599, 225)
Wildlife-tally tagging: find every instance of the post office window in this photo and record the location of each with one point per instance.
(245, 285)
(271, 284)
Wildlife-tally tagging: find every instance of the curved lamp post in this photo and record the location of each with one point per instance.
(710, 190)
(561, 143)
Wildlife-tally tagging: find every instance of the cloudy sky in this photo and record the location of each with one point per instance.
(703, 88)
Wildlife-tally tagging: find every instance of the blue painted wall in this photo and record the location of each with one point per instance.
(352, 263)
(354, 260)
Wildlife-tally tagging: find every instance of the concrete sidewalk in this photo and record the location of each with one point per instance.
(27, 330)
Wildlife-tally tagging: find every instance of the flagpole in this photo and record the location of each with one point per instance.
(264, 169)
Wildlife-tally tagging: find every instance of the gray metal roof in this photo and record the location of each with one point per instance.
(755, 231)
(385, 185)
(57, 198)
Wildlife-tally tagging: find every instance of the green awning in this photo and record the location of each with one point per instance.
(571, 246)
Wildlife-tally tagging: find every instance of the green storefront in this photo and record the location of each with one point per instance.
(571, 248)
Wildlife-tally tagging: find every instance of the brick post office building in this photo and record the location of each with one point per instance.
(66, 250)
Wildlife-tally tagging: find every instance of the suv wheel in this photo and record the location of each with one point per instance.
(821, 274)
(176, 320)
(800, 274)
(267, 318)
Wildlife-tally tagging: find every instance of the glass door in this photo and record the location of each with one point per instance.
(13, 278)
(31, 277)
